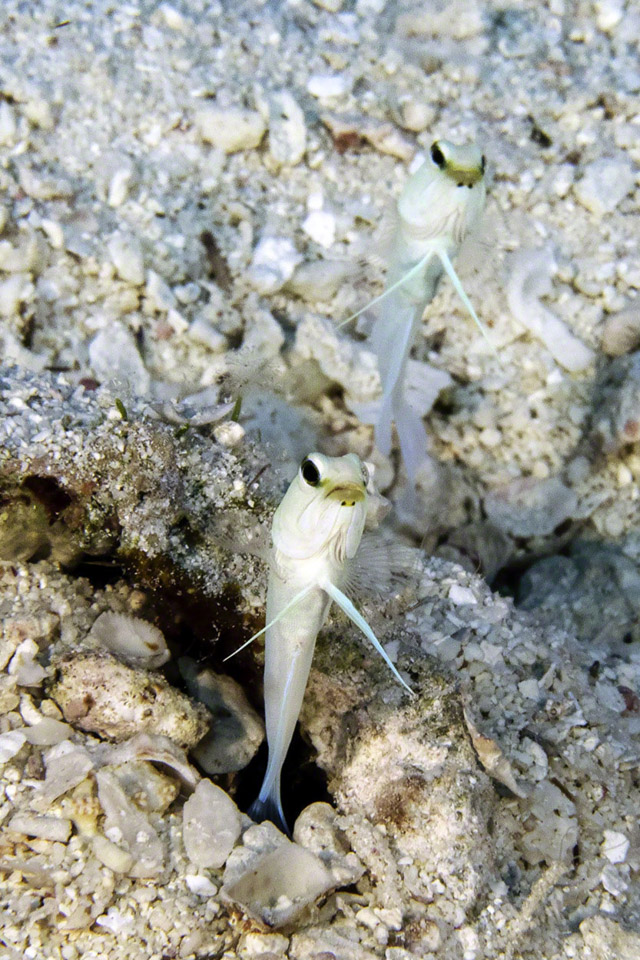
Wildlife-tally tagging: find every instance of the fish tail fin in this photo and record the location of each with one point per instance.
(391, 339)
(383, 426)
(413, 439)
(269, 807)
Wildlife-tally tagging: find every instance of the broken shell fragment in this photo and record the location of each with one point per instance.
(135, 641)
(277, 888)
(211, 825)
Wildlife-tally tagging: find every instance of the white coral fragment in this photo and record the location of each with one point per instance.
(67, 765)
(276, 887)
(11, 743)
(615, 846)
(24, 667)
(135, 641)
(273, 262)
(129, 828)
(211, 825)
(152, 747)
(529, 280)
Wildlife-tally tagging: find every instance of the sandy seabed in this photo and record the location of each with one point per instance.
(191, 198)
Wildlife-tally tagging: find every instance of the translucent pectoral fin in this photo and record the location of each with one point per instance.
(292, 603)
(455, 280)
(345, 604)
(416, 269)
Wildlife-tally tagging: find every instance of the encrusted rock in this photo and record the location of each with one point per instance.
(111, 699)
(319, 829)
(428, 793)
(529, 507)
(605, 937)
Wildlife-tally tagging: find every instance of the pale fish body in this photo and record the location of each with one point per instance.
(316, 530)
(440, 203)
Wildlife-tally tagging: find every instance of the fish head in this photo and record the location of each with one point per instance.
(446, 195)
(324, 508)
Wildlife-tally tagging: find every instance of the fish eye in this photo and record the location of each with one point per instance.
(437, 155)
(310, 473)
(483, 163)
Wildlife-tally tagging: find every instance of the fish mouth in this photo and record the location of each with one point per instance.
(465, 176)
(347, 493)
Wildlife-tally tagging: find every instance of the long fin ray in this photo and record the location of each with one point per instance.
(345, 604)
(420, 265)
(455, 280)
(292, 603)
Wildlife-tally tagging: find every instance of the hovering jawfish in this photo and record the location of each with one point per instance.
(316, 532)
(440, 203)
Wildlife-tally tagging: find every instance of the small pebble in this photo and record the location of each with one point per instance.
(615, 846)
(10, 744)
(45, 828)
(320, 225)
(126, 256)
(461, 595)
(621, 331)
(48, 732)
(272, 264)
(112, 856)
(324, 85)
(201, 886)
(114, 356)
(287, 130)
(229, 434)
(230, 130)
(604, 184)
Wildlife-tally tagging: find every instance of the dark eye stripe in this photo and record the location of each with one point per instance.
(310, 473)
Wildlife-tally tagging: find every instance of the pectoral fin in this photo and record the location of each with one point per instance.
(417, 268)
(345, 604)
(292, 603)
(455, 280)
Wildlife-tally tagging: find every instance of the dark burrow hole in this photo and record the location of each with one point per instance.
(188, 620)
